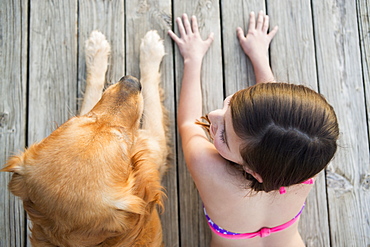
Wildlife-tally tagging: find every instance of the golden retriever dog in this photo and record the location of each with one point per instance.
(95, 181)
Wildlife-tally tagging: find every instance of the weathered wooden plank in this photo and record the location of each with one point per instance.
(363, 12)
(108, 18)
(52, 66)
(293, 60)
(238, 70)
(193, 228)
(340, 79)
(13, 111)
(142, 16)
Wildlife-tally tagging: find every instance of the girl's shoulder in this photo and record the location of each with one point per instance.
(202, 158)
(206, 166)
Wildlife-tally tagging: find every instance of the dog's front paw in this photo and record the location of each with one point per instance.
(97, 50)
(151, 51)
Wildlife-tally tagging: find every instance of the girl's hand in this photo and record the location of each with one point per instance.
(190, 44)
(256, 43)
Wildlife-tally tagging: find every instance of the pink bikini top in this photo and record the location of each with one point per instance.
(263, 232)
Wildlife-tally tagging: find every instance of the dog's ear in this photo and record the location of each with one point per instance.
(17, 185)
(17, 163)
(14, 164)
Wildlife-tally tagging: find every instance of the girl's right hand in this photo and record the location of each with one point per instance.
(257, 41)
(191, 45)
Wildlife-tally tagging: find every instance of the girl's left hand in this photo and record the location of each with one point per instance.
(191, 45)
(256, 42)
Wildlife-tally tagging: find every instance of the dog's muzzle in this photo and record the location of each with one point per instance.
(130, 83)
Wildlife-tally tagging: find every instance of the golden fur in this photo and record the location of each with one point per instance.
(95, 181)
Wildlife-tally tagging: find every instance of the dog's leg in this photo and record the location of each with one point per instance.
(97, 50)
(151, 54)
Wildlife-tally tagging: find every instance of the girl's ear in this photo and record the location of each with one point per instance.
(257, 176)
(254, 174)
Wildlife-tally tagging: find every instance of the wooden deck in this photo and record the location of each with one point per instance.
(321, 43)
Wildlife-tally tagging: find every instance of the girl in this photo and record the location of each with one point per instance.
(268, 142)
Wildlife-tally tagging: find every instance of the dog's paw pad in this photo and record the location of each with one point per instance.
(97, 50)
(152, 48)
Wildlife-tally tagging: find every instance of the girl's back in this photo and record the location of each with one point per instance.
(236, 209)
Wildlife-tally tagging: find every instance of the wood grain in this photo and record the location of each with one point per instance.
(13, 113)
(341, 81)
(52, 66)
(363, 10)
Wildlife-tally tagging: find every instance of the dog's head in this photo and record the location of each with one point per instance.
(92, 178)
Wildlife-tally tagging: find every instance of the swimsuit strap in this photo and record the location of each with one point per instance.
(263, 232)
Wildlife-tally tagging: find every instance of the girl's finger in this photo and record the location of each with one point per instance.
(194, 24)
(265, 26)
(252, 22)
(273, 32)
(240, 33)
(186, 23)
(210, 39)
(180, 26)
(173, 36)
(259, 20)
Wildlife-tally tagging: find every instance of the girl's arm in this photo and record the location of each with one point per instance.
(255, 45)
(192, 49)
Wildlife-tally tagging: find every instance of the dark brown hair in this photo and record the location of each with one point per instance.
(289, 132)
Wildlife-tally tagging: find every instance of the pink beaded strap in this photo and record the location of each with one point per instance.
(282, 190)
